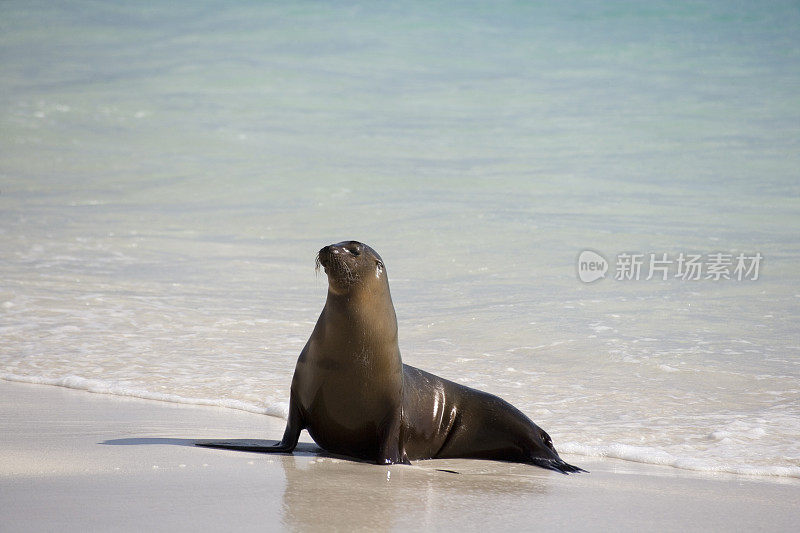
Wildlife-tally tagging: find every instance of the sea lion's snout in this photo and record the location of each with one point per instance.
(341, 261)
(327, 255)
(338, 252)
(324, 257)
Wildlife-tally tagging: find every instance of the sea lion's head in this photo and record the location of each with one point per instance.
(351, 264)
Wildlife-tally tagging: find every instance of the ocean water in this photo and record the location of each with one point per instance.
(168, 172)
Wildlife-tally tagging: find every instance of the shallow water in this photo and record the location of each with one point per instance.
(169, 172)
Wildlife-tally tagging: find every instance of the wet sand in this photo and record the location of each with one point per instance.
(72, 460)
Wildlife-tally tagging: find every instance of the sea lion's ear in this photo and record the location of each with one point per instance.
(378, 268)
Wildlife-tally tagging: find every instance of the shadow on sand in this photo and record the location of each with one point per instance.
(244, 445)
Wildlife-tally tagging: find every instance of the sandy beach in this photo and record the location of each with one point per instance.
(76, 461)
(588, 209)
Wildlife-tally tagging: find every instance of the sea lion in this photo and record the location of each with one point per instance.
(354, 395)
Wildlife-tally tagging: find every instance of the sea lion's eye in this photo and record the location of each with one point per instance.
(380, 266)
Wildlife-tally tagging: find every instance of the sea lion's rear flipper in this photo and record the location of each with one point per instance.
(557, 464)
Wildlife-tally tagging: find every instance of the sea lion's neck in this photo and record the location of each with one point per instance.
(368, 316)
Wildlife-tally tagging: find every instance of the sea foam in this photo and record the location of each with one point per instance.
(654, 456)
(280, 410)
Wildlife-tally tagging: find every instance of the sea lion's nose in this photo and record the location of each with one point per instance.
(324, 256)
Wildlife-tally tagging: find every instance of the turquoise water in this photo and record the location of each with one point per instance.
(168, 172)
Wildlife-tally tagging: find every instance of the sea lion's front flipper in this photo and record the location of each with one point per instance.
(244, 445)
(291, 435)
(391, 450)
(294, 425)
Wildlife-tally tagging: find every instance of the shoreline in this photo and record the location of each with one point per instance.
(72, 460)
(613, 451)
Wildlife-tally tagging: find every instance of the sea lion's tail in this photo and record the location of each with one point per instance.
(557, 464)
